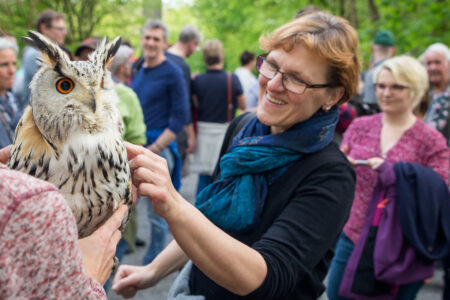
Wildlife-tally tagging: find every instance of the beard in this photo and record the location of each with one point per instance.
(436, 77)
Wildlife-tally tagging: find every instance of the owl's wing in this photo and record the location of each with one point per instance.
(106, 184)
(128, 197)
(31, 153)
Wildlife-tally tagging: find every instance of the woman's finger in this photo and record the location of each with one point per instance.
(133, 150)
(142, 175)
(344, 149)
(351, 160)
(375, 162)
(152, 191)
(115, 220)
(124, 282)
(121, 273)
(4, 154)
(154, 163)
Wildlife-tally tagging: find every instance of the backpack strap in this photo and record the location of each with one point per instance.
(229, 97)
(136, 66)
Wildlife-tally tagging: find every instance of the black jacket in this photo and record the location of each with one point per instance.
(303, 215)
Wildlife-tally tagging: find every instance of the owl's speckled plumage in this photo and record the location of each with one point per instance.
(73, 140)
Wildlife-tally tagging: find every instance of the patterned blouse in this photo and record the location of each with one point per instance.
(438, 112)
(9, 117)
(39, 257)
(419, 144)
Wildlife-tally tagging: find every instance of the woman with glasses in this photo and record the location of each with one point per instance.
(266, 227)
(392, 136)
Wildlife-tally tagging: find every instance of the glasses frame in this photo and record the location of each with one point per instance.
(393, 87)
(261, 59)
(59, 28)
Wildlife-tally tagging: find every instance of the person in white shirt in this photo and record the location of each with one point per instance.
(248, 80)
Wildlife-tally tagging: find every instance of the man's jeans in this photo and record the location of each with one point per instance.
(159, 227)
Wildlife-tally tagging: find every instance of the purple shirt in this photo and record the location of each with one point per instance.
(420, 144)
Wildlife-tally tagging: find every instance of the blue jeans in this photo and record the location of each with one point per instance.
(344, 248)
(159, 227)
(203, 181)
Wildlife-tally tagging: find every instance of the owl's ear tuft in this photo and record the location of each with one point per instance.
(42, 43)
(113, 47)
(28, 41)
(105, 51)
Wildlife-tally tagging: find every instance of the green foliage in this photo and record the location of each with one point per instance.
(84, 18)
(237, 23)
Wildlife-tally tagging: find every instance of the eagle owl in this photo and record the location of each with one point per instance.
(69, 135)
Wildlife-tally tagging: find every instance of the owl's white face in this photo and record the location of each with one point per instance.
(68, 96)
(77, 85)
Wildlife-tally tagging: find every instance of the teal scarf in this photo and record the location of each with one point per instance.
(253, 162)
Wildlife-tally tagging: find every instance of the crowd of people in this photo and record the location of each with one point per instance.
(313, 169)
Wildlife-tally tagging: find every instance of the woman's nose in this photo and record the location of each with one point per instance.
(387, 91)
(276, 83)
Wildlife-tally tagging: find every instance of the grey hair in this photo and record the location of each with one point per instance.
(190, 33)
(439, 48)
(156, 24)
(121, 58)
(5, 44)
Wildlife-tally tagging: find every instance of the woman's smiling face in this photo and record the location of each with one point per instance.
(281, 109)
(393, 98)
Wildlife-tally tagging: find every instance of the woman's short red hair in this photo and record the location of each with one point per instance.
(331, 37)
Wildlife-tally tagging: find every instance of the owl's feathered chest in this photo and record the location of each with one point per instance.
(90, 170)
(94, 176)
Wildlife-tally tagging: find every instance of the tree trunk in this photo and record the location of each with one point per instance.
(342, 8)
(69, 14)
(152, 9)
(353, 15)
(373, 11)
(32, 13)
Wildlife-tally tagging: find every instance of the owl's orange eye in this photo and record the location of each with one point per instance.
(64, 85)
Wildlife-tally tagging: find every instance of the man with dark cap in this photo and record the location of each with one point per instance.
(383, 47)
(88, 46)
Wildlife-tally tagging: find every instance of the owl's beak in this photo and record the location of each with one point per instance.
(93, 102)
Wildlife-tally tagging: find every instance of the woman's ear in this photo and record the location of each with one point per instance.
(335, 95)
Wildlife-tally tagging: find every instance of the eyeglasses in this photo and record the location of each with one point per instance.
(393, 87)
(60, 28)
(289, 81)
(154, 38)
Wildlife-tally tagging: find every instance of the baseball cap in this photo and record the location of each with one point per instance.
(384, 37)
